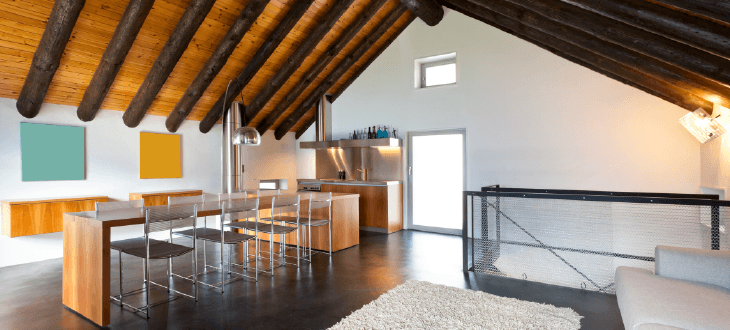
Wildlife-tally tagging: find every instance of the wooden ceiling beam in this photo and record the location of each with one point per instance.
(357, 73)
(718, 10)
(167, 59)
(678, 54)
(257, 61)
(111, 61)
(695, 31)
(429, 11)
(341, 69)
(598, 63)
(47, 56)
(313, 72)
(691, 82)
(295, 60)
(215, 63)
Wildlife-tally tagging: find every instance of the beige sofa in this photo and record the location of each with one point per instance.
(690, 290)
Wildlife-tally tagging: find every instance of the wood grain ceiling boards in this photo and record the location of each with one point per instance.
(666, 36)
(22, 23)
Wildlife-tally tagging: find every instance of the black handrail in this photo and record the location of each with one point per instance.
(598, 193)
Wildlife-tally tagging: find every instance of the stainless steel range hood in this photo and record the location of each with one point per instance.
(324, 132)
(372, 143)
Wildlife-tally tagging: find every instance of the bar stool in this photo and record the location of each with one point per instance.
(279, 204)
(316, 201)
(158, 219)
(120, 245)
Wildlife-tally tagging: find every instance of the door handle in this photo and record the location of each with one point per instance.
(410, 170)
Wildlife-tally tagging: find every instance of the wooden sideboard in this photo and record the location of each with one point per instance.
(154, 198)
(380, 206)
(41, 216)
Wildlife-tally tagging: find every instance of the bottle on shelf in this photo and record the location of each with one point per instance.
(375, 134)
(380, 132)
(370, 134)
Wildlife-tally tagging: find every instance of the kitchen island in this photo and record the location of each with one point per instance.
(380, 205)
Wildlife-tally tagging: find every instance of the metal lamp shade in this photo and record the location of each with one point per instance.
(246, 136)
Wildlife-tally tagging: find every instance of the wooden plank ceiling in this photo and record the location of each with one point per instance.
(291, 52)
(22, 23)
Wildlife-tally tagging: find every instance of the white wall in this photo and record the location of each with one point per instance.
(273, 159)
(715, 158)
(533, 119)
(306, 158)
(112, 169)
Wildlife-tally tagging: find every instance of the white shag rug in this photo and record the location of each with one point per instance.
(424, 305)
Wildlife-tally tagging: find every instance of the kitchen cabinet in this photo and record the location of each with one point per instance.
(381, 206)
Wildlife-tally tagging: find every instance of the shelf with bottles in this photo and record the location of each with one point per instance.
(374, 132)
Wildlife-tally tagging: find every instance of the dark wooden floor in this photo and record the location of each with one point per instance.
(314, 297)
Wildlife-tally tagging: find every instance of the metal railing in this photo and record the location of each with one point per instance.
(576, 238)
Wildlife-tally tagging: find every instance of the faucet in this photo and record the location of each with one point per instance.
(365, 173)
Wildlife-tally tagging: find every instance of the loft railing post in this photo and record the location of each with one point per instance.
(465, 233)
(498, 230)
(715, 230)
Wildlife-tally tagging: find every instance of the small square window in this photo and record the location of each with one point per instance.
(435, 71)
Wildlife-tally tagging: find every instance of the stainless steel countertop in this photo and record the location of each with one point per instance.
(349, 182)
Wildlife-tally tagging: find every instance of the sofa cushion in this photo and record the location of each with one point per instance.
(645, 298)
(697, 265)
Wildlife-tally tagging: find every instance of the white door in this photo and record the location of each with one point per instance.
(437, 180)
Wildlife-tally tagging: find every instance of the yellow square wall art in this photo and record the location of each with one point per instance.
(159, 156)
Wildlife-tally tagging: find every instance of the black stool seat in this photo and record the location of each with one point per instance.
(214, 235)
(263, 227)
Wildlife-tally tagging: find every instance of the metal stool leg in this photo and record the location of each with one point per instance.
(309, 230)
(147, 288)
(329, 226)
(271, 252)
(195, 267)
(229, 258)
(298, 247)
(121, 292)
(223, 272)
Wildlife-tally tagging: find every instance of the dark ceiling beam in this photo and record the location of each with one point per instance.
(313, 72)
(295, 60)
(341, 69)
(590, 60)
(357, 73)
(691, 82)
(678, 54)
(116, 51)
(47, 56)
(429, 11)
(700, 33)
(164, 64)
(215, 63)
(716, 9)
(296, 11)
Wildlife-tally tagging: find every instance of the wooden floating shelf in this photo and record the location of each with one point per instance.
(154, 198)
(24, 217)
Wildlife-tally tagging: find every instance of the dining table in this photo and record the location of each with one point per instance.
(87, 254)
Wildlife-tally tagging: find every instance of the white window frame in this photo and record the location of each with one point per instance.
(420, 65)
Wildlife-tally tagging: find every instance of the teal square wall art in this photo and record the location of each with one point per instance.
(52, 152)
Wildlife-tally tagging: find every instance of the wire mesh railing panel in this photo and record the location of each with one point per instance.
(579, 243)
